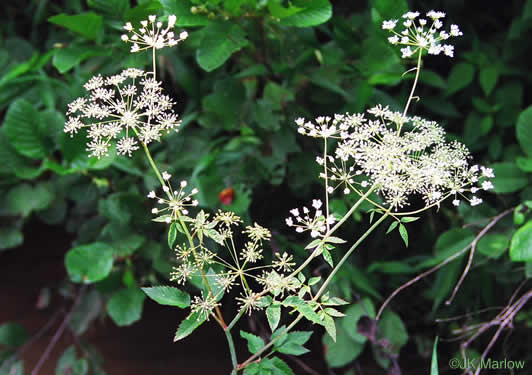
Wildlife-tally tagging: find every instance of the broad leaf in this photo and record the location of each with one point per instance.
(167, 295)
(220, 41)
(21, 128)
(125, 306)
(255, 343)
(89, 263)
(187, 326)
(88, 24)
(521, 246)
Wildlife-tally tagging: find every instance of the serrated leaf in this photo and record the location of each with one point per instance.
(303, 307)
(125, 306)
(293, 343)
(21, 128)
(172, 234)
(187, 326)
(220, 41)
(404, 234)
(334, 240)
(328, 257)
(169, 296)
(343, 351)
(392, 226)
(409, 219)
(273, 313)
(88, 24)
(313, 244)
(521, 245)
(89, 263)
(255, 343)
(330, 326)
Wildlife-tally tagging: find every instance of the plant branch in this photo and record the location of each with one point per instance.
(59, 332)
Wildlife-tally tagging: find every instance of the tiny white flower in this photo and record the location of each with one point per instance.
(183, 184)
(456, 202)
(151, 194)
(172, 20)
(166, 176)
(316, 203)
(487, 185)
(183, 35)
(389, 25)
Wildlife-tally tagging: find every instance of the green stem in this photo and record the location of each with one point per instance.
(333, 229)
(220, 318)
(414, 85)
(349, 252)
(320, 291)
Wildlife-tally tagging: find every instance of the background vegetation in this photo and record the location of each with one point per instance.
(248, 69)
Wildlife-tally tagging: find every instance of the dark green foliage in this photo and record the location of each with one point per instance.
(248, 69)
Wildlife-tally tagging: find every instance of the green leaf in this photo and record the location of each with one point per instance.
(70, 56)
(293, 343)
(255, 343)
(23, 199)
(68, 364)
(309, 13)
(404, 234)
(110, 7)
(327, 256)
(10, 237)
(88, 309)
(181, 8)
(172, 235)
(353, 314)
(303, 307)
(508, 178)
(392, 327)
(280, 367)
(343, 351)
(488, 78)
(187, 326)
(220, 40)
(334, 240)
(89, 263)
(523, 130)
(330, 326)
(409, 219)
(21, 128)
(461, 76)
(493, 245)
(521, 245)
(169, 296)
(313, 244)
(392, 226)
(448, 244)
(12, 334)
(125, 306)
(88, 24)
(273, 313)
(434, 362)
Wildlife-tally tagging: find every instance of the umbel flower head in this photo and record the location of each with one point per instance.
(401, 157)
(421, 33)
(151, 34)
(129, 106)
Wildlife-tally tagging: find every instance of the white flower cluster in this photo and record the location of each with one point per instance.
(422, 34)
(177, 201)
(152, 35)
(120, 106)
(317, 224)
(399, 157)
